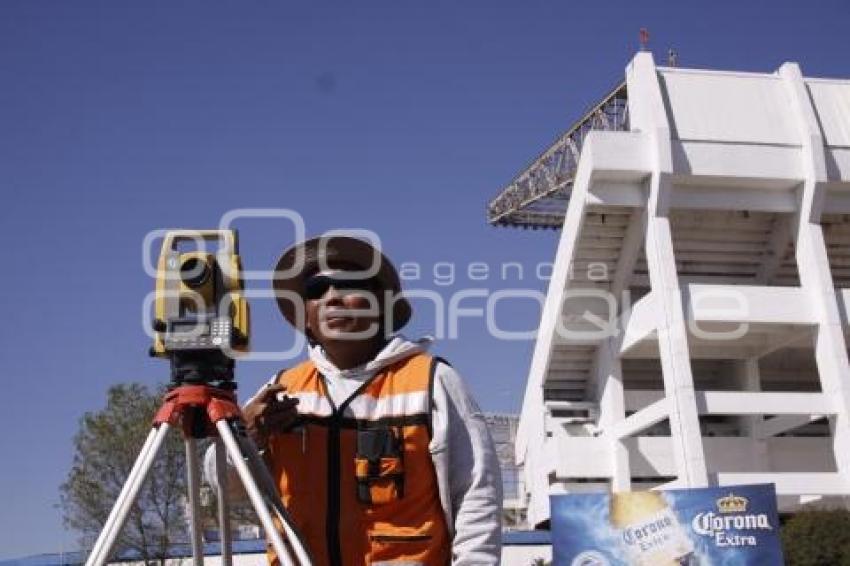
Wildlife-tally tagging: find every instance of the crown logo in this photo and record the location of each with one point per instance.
(732, 504)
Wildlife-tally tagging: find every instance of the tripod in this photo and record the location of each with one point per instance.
(205, 410)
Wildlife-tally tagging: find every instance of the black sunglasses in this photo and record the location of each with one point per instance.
(316, 286)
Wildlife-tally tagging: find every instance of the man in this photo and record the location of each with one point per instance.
(380, 454)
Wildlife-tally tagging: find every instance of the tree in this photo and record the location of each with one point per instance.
(106, 446)
(817, 537)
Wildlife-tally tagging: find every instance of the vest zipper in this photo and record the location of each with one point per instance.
(334, 488)
(333, 510)
(332, 520)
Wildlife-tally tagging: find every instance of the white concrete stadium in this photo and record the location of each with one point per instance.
(695, 327)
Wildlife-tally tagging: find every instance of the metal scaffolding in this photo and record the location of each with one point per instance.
(503, 429)
(538, 196)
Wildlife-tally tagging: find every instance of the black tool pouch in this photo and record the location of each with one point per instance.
(379, 465)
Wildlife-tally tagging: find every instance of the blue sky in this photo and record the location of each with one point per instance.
(117, 118)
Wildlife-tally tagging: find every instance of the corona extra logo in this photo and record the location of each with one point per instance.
(729, 526)
(732, 504)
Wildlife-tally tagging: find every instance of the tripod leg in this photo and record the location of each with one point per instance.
(223, 504)
(257, 465)
(260, 471)
(254, 493)
(194, 485)
(120, 510)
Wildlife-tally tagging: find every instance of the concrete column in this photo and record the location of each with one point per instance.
(675, 355)
(748, 378)
(612, 406)
(813, 266)
(648, 114)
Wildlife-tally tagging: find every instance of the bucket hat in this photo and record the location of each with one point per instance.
(307, 258)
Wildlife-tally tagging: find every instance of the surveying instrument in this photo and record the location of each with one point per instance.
(201, 325)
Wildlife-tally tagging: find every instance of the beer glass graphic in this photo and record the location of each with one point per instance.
(650, 532)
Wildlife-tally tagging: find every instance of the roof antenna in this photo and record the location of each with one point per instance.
(644, 38)
(672, 58)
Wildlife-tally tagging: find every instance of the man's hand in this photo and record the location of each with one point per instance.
(268, 413)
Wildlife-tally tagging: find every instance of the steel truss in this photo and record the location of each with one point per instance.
(538, 196)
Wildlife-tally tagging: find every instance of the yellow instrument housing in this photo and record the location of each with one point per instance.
(219, 289)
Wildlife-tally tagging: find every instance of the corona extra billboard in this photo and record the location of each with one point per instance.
(694, 527)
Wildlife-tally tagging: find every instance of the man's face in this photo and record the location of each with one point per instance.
(341, 308)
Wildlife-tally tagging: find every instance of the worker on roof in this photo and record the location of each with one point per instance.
(379, 452)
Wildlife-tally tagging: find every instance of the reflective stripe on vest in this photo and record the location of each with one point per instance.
(358, 479)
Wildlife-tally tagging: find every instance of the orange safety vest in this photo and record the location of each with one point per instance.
(358, 479)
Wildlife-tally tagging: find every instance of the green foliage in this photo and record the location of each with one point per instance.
(105, 448)
(817, 538)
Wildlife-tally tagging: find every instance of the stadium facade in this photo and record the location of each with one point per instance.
(695, 327)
